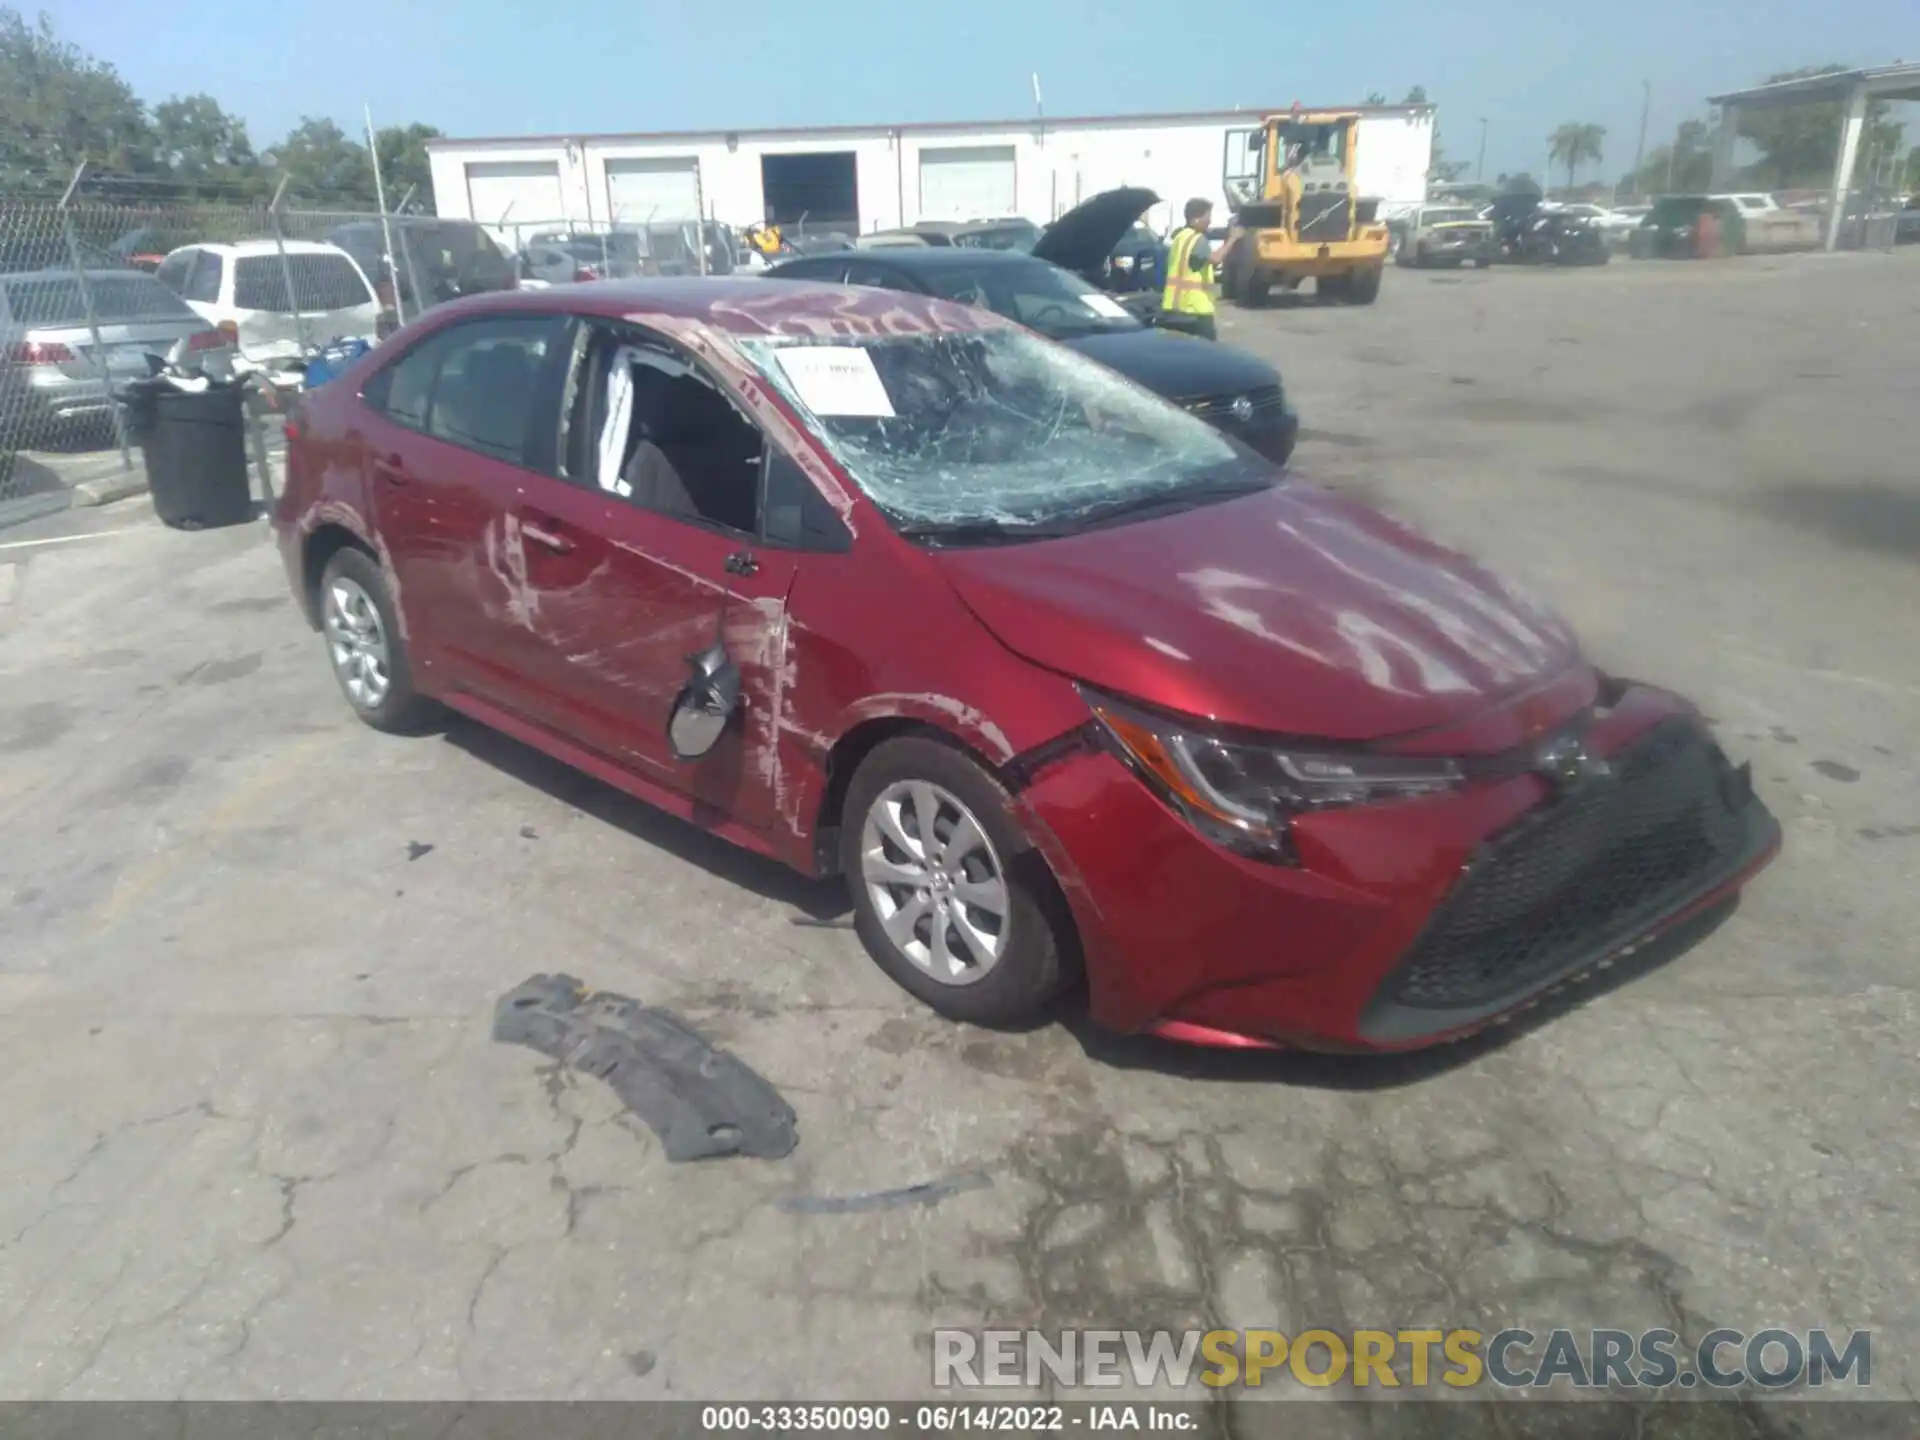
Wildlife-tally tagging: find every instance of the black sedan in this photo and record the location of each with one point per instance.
(1238, 393)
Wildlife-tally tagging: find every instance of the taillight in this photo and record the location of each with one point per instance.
(292, 429)
(586, 272)
(209, 340)
(39, 352)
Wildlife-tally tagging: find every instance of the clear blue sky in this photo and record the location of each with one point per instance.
(505, 67)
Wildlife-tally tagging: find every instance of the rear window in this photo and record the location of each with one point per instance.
(320, 282)
(117, 299)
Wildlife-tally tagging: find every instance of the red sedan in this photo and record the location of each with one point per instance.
(1059, 678)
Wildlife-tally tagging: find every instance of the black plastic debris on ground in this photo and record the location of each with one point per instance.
(701, 1101)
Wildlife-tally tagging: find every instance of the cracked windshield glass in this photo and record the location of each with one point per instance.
(996, 431)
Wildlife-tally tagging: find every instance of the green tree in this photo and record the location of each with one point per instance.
(1574, 144)
(1684, 167)
(403, 163)
(324, 167)
(60, 106)
(207, 150)
(1375, 97)
(1798, 143)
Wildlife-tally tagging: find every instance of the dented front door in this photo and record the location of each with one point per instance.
(626, 598)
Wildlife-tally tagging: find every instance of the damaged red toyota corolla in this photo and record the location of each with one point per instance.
(1054, 673)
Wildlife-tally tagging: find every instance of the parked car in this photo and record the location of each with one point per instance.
(1614, 225)
(1235, 391)
(241, 289)
(50, 375)
(570, 258)
(1671, 229)
(1557, 235)
(1768, 228)
(1444, 235)
(1057, 679)
(436, 259)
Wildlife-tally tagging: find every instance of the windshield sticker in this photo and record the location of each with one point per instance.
(1105, 305)
(836, 380)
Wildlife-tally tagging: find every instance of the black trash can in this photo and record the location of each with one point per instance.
(195, 447)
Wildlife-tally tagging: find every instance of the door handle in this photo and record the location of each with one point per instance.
(741, 562)
(390, 468)
(535, 528)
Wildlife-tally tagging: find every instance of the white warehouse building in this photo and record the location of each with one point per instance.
(873, 177)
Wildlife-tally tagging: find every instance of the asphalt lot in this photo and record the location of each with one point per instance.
(259, 1143)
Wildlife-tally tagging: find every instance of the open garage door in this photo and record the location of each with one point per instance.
(658, 188)
(506, 194)
(967, 182)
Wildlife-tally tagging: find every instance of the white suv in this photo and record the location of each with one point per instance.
(241, 289)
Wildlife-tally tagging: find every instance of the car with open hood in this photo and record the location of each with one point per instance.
(1054, 678)
(1233, 390)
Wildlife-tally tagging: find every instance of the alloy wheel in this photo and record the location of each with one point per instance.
(935, 882)
(357, 643)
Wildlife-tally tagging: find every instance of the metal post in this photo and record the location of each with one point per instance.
(1640, 149)
(1480, 165)
(386, 226)
(700, 217)
(93, 316)
(286, 269)
(1850, 130)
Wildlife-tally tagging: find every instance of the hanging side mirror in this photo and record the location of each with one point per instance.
(704, 705)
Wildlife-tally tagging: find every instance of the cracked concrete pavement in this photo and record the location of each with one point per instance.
(259, 1144)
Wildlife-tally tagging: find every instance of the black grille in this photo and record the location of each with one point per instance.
(1578, 874)
(1267, 402)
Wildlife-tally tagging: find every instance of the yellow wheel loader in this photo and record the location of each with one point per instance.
(1297, 213)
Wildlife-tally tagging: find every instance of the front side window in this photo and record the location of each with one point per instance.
(480, 385)
(997, 434)
(649, 426)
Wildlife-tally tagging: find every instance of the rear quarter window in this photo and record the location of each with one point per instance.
(58, 302)
(320, 282)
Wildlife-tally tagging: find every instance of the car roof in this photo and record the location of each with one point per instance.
(246, 249)
(740, 305)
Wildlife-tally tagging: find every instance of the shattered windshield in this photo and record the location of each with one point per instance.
(979, 437)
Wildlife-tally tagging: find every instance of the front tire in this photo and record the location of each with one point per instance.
(364, 644)
(949, 896)
(1362, 286)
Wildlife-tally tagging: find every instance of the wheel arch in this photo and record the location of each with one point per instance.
(326, 540)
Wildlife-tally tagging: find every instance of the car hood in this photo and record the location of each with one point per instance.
(1291, 611)
(1084, 237)
(1179, 367)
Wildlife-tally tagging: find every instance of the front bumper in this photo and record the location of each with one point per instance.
(1404, 924)
(1471, 246)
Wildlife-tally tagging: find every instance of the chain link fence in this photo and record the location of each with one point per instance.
(89, 290)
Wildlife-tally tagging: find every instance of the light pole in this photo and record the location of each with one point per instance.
(1640, 150)
(1480, 165)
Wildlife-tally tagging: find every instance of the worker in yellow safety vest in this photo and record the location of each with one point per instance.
(1187, 301)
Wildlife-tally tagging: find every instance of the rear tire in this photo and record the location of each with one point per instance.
(920, 811)
(365, 647)
(1254, 289)
(1363, 286)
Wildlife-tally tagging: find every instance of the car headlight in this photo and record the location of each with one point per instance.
(1123, 262)
(1244, 794)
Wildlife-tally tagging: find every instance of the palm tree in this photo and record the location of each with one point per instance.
(1574, 144)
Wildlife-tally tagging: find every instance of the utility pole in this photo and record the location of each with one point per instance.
(1480, 165)
(1640, 150)
(1673, 153)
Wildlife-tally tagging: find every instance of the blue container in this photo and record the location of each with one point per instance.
(332, 360)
